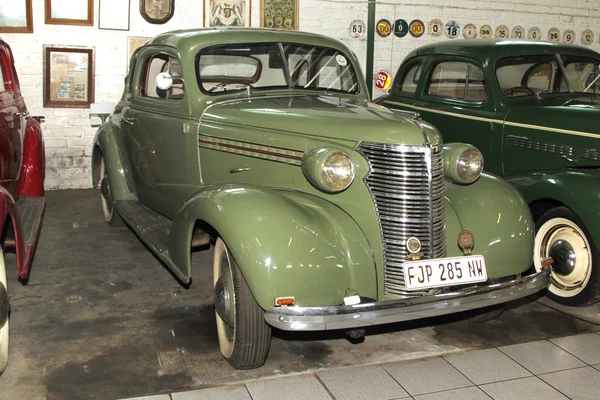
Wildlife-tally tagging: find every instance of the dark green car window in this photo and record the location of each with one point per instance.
(458, 80)
(411, 79)
(155, 65)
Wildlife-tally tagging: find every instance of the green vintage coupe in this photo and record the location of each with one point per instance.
(326, 211)
(532, 108)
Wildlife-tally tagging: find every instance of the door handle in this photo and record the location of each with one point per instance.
(22, 114)
(128, 121)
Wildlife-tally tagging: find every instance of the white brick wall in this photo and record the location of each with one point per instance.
(68, 136)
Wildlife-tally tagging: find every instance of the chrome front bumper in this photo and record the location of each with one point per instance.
(367, 314)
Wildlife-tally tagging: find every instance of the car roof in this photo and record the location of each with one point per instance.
(493, 49)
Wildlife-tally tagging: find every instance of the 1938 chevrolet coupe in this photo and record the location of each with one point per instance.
(326, 211)
(532, 108)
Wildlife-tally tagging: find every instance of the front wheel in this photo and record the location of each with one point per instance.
(562, 239)
(5, 328)
(244, 336)
(110, 216)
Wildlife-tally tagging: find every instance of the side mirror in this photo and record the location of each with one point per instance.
(164, 81)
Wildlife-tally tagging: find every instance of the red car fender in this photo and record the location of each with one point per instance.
(33, 170)
(7, 207)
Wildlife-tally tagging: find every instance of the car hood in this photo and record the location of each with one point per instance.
(324, 117)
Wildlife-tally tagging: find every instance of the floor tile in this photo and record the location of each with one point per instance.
(470, 393)
(597, 366)
(581, 346)
(216, 393)
(299, 387)
(541, 357)
(524, 388)
(486, 366)
(577, 384)
(369, 382)
(427, 375)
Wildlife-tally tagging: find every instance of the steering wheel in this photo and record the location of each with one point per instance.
(510, 92)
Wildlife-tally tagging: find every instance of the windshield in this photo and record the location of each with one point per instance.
(536, 75)
(261, 66)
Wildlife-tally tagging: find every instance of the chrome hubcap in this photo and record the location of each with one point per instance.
(224, 298)
(564, 257)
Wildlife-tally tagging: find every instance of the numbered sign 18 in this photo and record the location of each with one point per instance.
(469, 31)
(382, 80)
(400, 28)
(587, 37)
(518, 32)
(569, 36)
(452, 29)
(357, 29)
(534, 33)
(416, 28)
(553, 34)
(384, 28)
(436, 27)
(502, 31)
(485, 31)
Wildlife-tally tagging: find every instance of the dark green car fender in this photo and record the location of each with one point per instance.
(578, 190)
(500, 220)
(285, 243)
(105, 146)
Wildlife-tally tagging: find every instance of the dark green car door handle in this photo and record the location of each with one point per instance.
(128, 121)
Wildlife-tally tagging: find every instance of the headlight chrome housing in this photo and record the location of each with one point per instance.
(463, 163)
(328, 169)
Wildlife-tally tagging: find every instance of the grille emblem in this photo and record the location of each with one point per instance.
(466, 241)
(413, 245)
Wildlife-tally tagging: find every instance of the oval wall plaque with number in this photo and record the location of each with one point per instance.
(553, 34)
(518, 32)
(157, 11)
(452, 29)
(485, 32)
(384, 28)
(357, 29)
(502, 31)
(400, 28)
(569, 36)
(534, 33)
(382, 79)
(416, 28)
(436, 27)
(469, 31)
(587, 37)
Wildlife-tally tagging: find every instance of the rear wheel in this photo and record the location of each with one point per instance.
(5, 329)
(562, 239)
(244, 336)
(108, 209)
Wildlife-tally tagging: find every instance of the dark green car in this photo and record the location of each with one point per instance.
(325, 211)
(532, 108)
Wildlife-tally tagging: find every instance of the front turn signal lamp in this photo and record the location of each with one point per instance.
(463, 163)
(328, 169)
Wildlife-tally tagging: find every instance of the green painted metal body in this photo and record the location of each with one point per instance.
(547, 147)
(233, 162)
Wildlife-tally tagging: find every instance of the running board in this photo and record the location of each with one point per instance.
(30, 212)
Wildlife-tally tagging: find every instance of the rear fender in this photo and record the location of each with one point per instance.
(105, 146)
(8, 208)
(285, 243)
(578, 190)
(500, 220)
(33, 169)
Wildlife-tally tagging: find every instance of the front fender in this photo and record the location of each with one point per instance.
(106, 146)
(33, 168)
(285, 243)
(579, 190)
(500, 220)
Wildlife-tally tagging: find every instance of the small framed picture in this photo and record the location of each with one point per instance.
(157, 11)
(68, 77)
(226, 13)
(16, 17)
(279, 14)
(113, 14)
(69, 12)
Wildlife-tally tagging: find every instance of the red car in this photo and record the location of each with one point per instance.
(22, 169)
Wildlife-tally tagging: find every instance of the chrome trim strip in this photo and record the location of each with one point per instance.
(564, 150)
(369, 314)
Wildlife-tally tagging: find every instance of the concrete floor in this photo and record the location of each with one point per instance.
(101, 318)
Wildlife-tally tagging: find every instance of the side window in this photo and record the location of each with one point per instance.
(411, 79)
(539, 77)
(154, 66)
(458, 80)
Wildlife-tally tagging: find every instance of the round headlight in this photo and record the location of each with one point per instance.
(469, 165)
(463, 163)
(338, 171)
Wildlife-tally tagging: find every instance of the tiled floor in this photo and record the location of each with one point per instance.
(562, 368)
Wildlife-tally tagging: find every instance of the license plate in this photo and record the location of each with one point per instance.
(425, 274)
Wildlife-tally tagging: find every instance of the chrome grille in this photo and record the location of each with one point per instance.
(407, 187)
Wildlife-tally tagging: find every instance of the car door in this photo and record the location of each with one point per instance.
(454, 97)
(405, 86)
(160, 133)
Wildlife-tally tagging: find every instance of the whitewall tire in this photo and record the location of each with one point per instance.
(110, 216)
(4, 331)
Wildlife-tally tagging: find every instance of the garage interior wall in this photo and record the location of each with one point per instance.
(68, 135)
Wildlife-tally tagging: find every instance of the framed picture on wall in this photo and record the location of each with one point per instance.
(68, 77)
(157, 11)
(226, 13)
(280, 14)
(69, 12)
(16, 17)
(133, 43)
(114, 14)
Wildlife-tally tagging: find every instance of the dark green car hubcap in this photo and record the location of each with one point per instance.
(564, 257)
